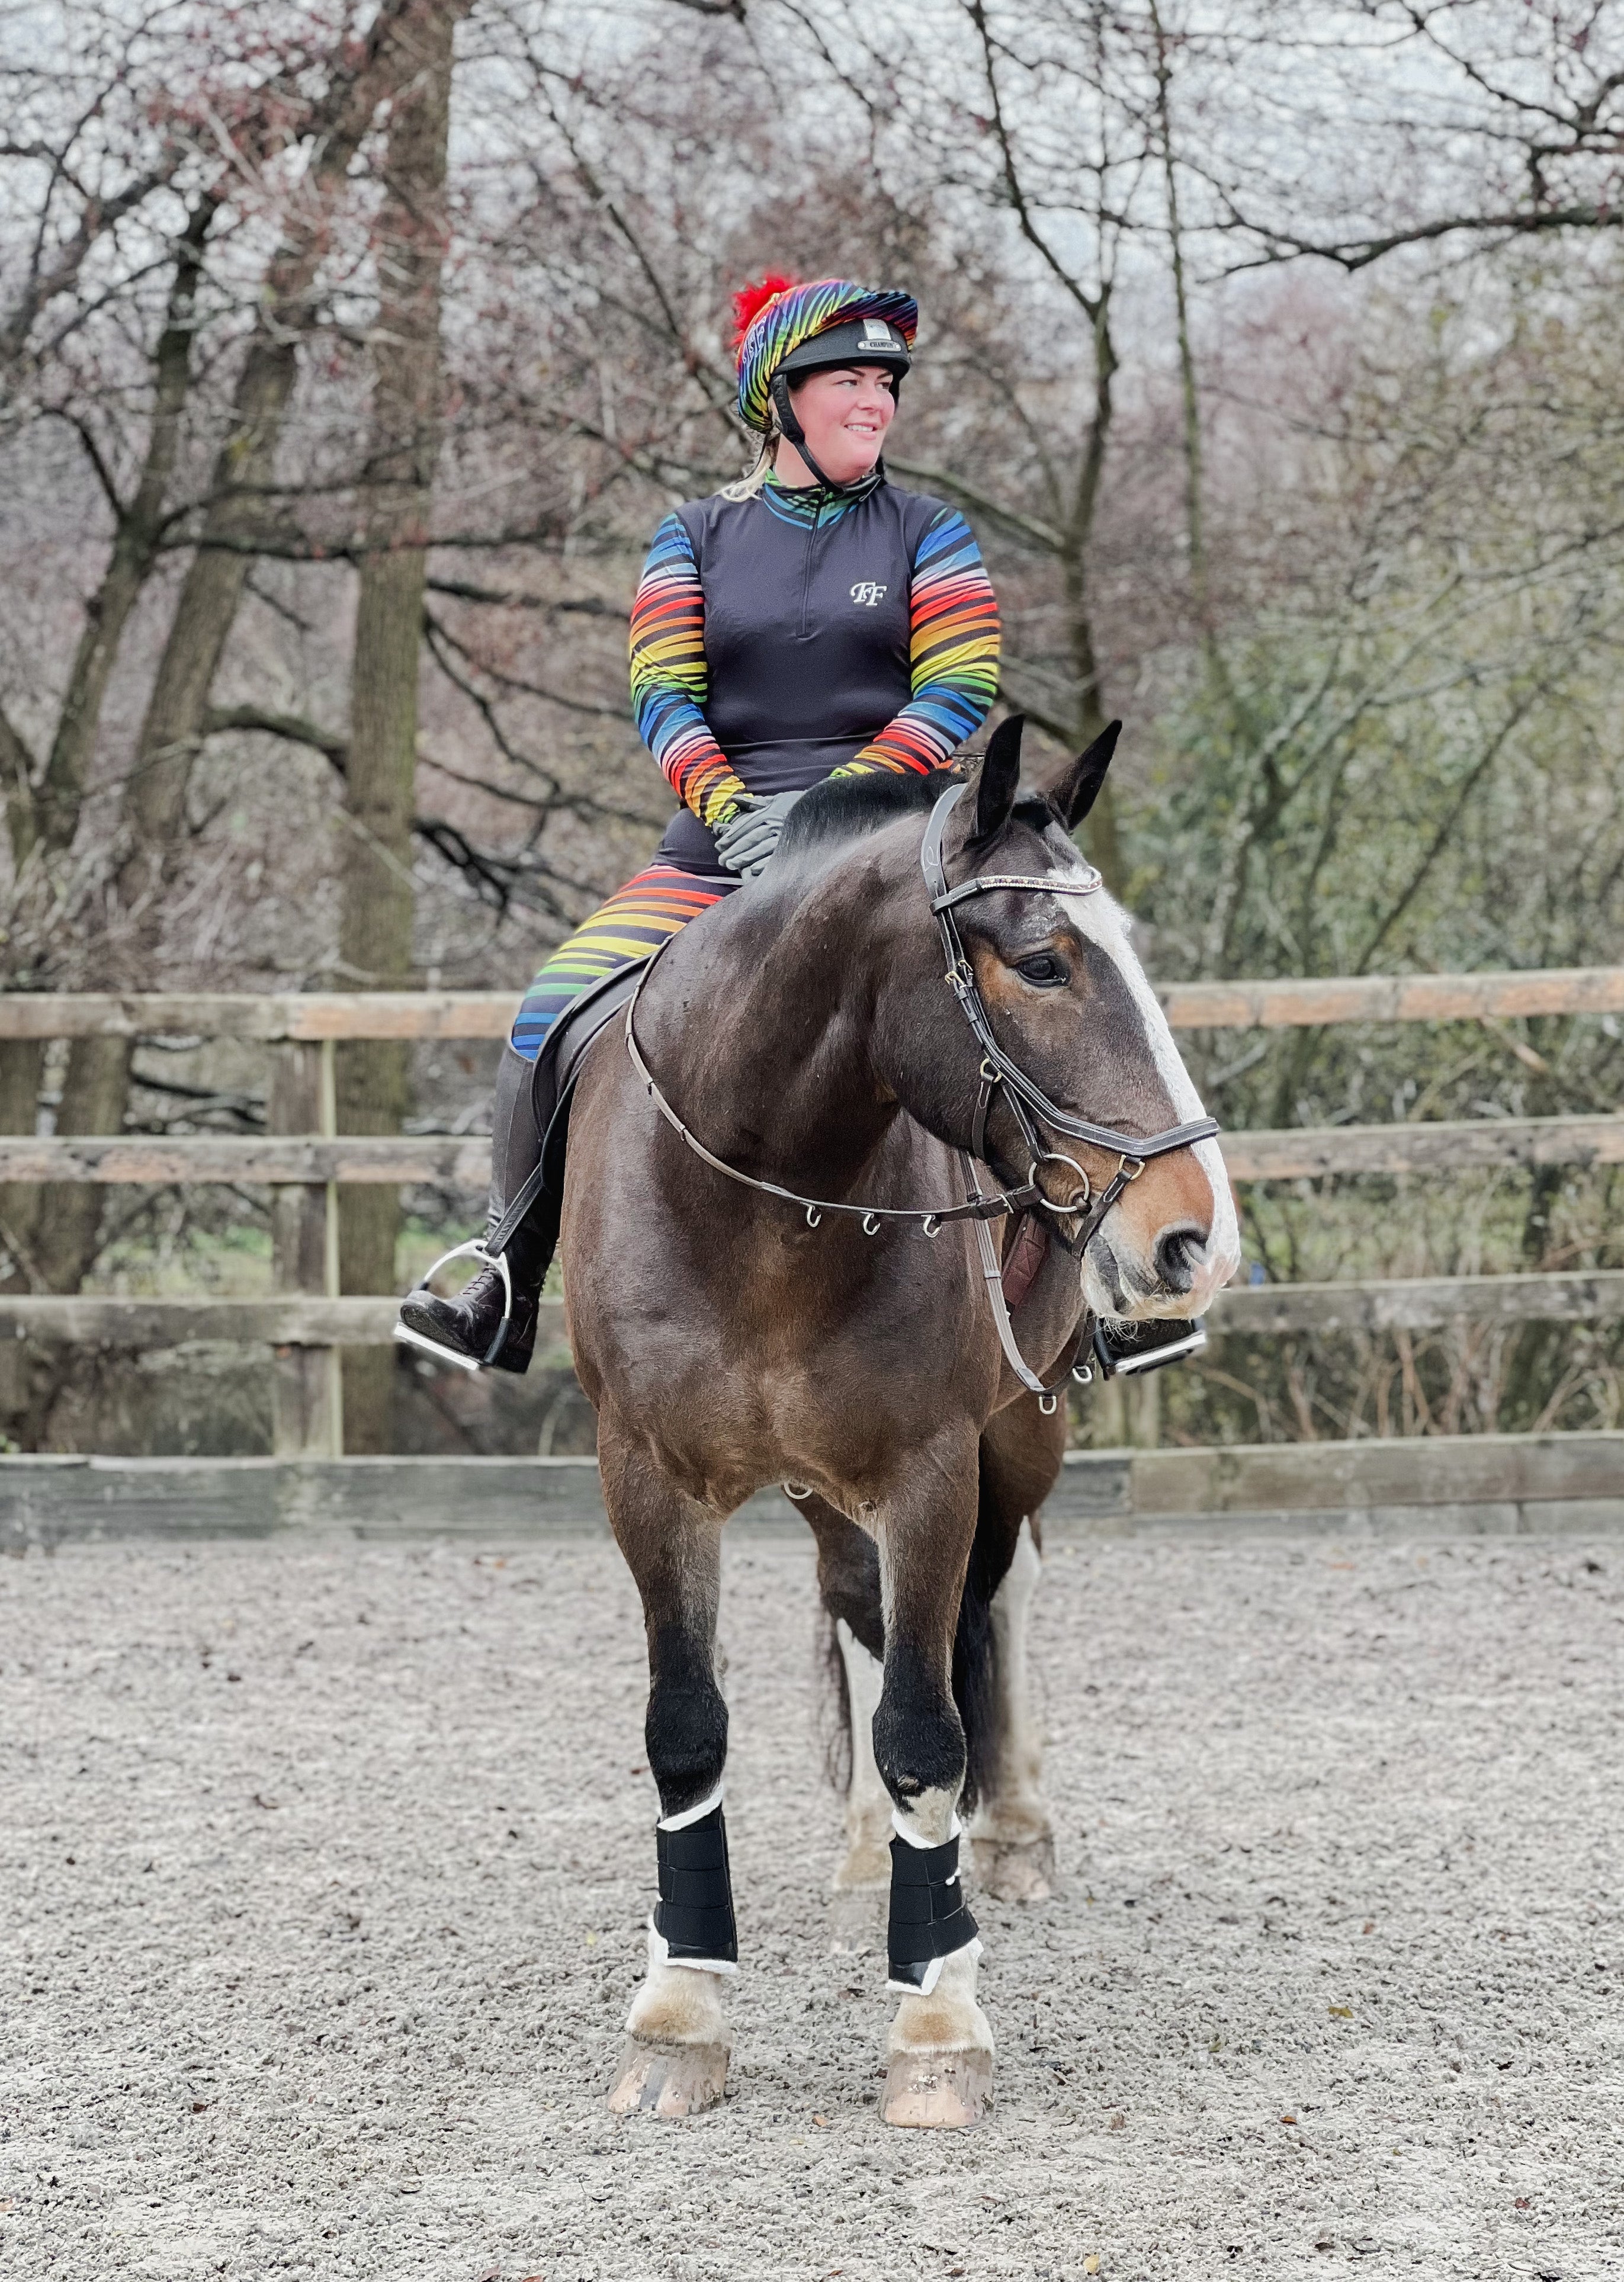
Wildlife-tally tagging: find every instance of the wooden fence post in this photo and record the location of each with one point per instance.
(307, 1401)
(1125, 1414)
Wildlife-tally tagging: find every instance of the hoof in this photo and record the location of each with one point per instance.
(669, 2080)
(1021, 1873)
(938, 2092)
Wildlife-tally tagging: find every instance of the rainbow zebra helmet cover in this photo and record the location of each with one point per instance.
(776, 316)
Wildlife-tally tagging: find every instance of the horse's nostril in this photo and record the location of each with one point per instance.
(1177, 1252)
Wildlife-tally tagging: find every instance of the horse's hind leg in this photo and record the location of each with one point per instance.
(1012, 1833)
(676, 2057)
(940, 2046)
(849, 1585)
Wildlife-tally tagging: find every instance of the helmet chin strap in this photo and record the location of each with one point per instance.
(790, 429)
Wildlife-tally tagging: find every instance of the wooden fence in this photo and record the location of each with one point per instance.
(301, 1158)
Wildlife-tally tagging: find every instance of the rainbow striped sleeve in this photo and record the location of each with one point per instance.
(669, 677)
(953, 655)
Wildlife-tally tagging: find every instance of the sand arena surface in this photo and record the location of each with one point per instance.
(325, 1869)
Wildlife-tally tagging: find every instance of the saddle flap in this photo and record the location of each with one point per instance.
(575, 1030)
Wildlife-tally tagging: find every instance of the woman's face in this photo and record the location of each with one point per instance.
(845, 414)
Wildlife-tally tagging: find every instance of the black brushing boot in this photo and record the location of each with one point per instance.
(491, 1325)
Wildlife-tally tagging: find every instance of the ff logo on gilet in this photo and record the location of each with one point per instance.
(868, 592)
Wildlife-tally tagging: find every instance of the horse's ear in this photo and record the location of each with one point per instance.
(1000, 778)
(1079, 788)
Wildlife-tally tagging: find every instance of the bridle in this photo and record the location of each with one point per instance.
(1022, 1094)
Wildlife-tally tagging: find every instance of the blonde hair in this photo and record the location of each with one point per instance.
(750, 486)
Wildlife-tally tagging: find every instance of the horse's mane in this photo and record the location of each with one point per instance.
(842, 808)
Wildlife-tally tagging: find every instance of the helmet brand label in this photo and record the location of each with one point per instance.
(877, 334)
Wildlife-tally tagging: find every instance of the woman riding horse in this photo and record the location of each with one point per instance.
(812, 620)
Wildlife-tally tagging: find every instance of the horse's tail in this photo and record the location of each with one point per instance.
(835, 1720)
(976, 1653)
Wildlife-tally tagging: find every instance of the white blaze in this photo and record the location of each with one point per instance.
(1104, 923)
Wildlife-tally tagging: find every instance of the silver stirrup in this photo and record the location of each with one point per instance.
(474, 1249)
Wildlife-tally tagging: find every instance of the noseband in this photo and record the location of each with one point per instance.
(1022, 1093)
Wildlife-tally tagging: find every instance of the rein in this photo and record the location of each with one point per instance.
(1022, 1092)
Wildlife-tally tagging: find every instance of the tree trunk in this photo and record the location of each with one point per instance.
(135, 551)
(21, 1065)
(1104, 839)
(376, 909)
(45, 814)
(21, 1062)
(153, 811)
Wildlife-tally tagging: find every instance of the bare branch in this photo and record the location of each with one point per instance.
(1353, 254)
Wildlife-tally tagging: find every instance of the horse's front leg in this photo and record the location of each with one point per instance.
(677, 2045)
(940, 2046)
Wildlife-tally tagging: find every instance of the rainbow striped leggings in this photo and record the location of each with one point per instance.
(636, 920)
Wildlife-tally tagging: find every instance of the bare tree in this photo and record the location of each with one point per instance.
(1478, 123)
(152, 819)
(377, 898)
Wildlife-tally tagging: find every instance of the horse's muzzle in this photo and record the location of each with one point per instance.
(1175, 1269)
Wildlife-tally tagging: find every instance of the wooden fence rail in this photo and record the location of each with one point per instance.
(298, 1319)
(1297, 1153)
(312, 1016)
(272, 1159)
(301, 1159)
(1433, 1487)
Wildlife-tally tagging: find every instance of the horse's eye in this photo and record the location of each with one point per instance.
(1044, 969)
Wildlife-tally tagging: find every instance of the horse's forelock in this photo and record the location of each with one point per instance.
(1035, 809)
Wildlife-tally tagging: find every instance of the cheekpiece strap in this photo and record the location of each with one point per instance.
(928, 1916)
(693, 1914)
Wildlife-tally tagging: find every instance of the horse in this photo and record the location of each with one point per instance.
(773, 1278)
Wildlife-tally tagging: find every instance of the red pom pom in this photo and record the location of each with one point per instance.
(750, 300)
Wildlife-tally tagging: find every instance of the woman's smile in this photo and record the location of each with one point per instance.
(844, 414)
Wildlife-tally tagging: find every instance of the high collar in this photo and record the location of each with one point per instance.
(817, 502)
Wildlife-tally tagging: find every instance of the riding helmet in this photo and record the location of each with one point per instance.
(783, 328)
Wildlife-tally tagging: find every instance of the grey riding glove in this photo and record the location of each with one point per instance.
(745, 844)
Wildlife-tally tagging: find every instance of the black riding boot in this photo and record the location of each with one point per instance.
(470, 1330)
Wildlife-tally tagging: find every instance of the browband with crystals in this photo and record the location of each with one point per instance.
(1080, 882)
